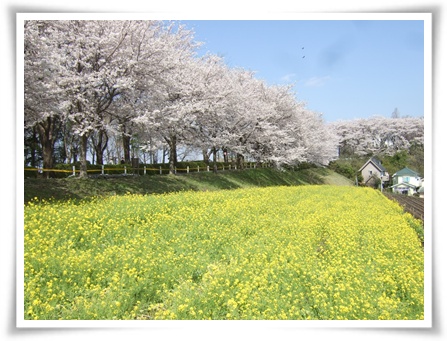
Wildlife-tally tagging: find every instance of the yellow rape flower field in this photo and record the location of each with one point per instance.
(308, 252)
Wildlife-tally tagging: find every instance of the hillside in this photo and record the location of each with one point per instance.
(75, 188)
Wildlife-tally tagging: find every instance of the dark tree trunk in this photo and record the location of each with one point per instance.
(100, 145)
(83, 156)
(47, 131)
(240, 161)
(75, 153)
(126, 147)
(71, 147)
(206, 156)
(47, 151)
(225, 153)
(214, 159)
(172, 143)
(33, 147)
(154, 157)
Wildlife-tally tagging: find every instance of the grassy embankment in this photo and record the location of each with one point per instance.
(75, 188)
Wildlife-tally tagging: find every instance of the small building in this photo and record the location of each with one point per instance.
(406, 181)
(421, 189)
(373, 173)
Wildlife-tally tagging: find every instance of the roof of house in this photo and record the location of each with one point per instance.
(406, 171)
(376, 163)
(403, 184)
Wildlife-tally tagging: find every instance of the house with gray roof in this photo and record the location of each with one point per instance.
(373, 173)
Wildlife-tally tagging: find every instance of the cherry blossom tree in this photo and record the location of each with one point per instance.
(141, 82)
(96, 72)
(171, 114)
(214, 94)
(157, 51)
(42, 93)
(379, 135)
(247, 113)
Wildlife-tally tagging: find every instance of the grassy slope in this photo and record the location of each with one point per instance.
(75, 188)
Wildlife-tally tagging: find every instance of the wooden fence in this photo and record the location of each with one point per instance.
(105, 170)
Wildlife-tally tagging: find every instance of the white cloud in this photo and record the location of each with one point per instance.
(317, 81)
(288, 78)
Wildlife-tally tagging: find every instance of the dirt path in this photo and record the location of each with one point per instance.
(412, 205)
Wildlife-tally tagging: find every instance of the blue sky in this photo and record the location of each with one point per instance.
(351, 68)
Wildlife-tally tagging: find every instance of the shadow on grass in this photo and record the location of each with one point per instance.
(80, 189)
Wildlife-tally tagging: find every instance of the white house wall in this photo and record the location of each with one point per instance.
(408, 179)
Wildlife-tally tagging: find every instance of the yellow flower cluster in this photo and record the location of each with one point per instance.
(311, 252)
